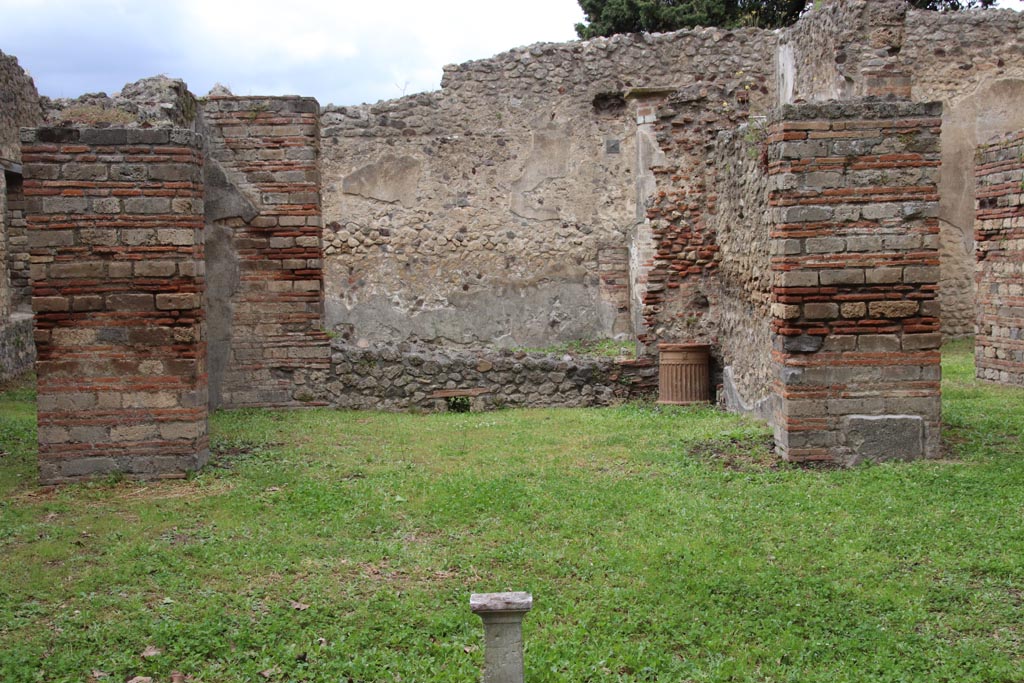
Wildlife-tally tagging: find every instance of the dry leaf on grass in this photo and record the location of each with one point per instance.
(270, 673)
(300, 606)
(151, 651)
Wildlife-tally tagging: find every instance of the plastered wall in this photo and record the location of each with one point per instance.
(504, 208)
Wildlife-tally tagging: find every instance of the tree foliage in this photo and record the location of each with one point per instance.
(607, 17)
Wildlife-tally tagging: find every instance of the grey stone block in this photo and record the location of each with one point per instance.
(884, 437)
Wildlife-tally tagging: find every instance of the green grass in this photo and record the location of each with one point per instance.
(608, 348)
(660, 544)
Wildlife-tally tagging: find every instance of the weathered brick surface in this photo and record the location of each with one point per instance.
(856, 265)
(269, 149)
(121, 379)
(999, 241)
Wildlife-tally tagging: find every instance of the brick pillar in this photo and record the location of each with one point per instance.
(855, 315)
(115, 220)
(999, 240)
(269, 148)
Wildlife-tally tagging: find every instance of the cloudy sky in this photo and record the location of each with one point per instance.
(340, 51)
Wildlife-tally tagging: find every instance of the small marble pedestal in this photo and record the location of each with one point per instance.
(502, 614)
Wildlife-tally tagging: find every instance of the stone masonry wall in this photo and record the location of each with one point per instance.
(116, 237)
(268, 347)
(17, 350)
(682, 299)
(999, 235)
(856, 263)
(5, 279)
(19, 106)
(971, 61)
(844, 49)
(17, 260)
(741, 222)
(497, 210)
(407, 376)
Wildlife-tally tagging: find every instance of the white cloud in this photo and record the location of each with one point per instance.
(341, 51)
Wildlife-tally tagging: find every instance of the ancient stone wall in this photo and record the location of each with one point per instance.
(407, 376)
(999, 236)
(116, 238)
(845, 49)
(17, 261)
(268, 347)
(972, 61)
(741, 221)
(17, 350)
(5, 279)
(19, 106)
(856, 264)
(499, 210)
(683, 292)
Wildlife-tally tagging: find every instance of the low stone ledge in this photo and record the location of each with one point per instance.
(409, 376)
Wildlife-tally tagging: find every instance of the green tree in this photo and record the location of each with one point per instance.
(607, 17)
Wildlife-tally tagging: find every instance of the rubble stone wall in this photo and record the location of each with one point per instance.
(116, 239)
(17, 261)
(5, 278)
(407, 376)
(855, 251)
(742, 223)
(999, 234)
(268, 347)
(499, 211)
(19, 106)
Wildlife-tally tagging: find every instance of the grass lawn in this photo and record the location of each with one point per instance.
(659, 545)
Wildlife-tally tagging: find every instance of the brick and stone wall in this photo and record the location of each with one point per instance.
(407, 376)
(999, 236)
(682, 293)
(115, 222)
(971, 61)
(268, 347)
(496, 210)
(855, 249)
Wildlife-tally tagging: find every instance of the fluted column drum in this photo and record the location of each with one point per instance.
(683, 374)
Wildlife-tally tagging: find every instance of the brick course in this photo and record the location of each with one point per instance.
(118, 274)
(856, 264)
(999, 240)
(269, 149)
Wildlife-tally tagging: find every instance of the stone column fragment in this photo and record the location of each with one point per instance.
(502, 614)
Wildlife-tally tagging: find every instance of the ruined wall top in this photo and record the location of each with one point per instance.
(19, 106)
(579, 78)
(155, 102)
